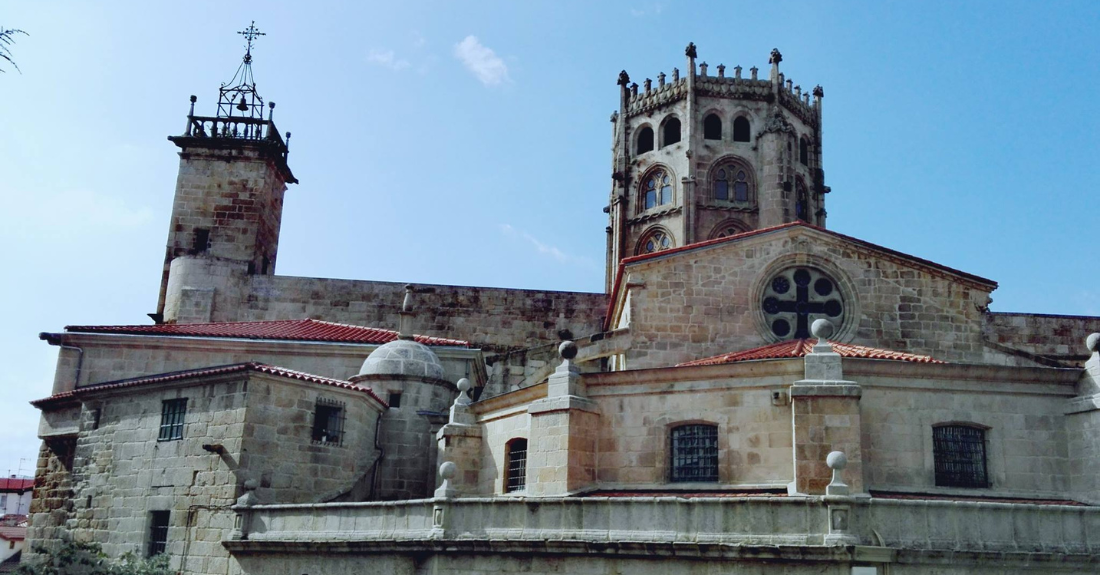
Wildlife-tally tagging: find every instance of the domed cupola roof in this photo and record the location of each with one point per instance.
(403, 358)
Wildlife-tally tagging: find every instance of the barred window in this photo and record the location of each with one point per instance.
(694, 453)
(158, 532)
(328, 422)
(172, 413)
(959, 453)
(516, 478)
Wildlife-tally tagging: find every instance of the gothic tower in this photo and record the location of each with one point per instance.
(705, 156)
(229, 192)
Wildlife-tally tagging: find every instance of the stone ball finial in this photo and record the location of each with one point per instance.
(463, 385)
(1092, 341)
(448, 470)
(822, 328)
(251, 485)
(776, 57)
(193, 99)
(567, 350)
(836, 460)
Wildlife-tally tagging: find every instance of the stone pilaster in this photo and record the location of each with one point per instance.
(825, 418)
(1083, 429)
(561, 452)
(459, 442)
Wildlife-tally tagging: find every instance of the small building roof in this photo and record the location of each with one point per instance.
(208, 371)
(800, 347)
(13, 533)
(9, 484)
(291, 329)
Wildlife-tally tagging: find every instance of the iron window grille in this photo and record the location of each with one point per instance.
(517, 466)
(328, 422)
(695, 453)
(158, 532)
(959, 453)
(172, 413)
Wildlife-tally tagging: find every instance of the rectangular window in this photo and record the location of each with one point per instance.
(517, 465)
(172, 412)
(158, 532)
(3, 503)
(202, 241)
(959, 454)
(328, 422)
(695, 453)
(394, 399)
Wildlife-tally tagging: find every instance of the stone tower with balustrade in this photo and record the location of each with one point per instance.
(707, 154)
(229, 192)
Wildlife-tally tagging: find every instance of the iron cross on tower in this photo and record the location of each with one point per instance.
(250, 34)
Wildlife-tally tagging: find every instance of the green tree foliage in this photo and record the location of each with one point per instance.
(89, 559)
(7, 38)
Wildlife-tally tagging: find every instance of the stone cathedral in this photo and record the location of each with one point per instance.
(753, 392)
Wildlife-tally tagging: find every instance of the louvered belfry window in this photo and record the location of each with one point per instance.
(694, 453)
(959, 452)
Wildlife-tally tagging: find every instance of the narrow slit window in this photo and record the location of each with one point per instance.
(201, 241)
(172, 414)
(394, 399)
(516, 479)
(158, 532)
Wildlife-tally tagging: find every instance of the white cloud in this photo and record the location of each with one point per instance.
(387, 59)
(544, 248)
(481, 61)
(651, 10)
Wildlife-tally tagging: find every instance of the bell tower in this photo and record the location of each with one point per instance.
(699, 156)
(229, 192)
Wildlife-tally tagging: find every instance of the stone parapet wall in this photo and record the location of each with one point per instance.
(1059, 338)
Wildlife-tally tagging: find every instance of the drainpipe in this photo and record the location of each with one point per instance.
(56, 339)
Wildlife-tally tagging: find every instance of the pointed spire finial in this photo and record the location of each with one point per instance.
(690, 50)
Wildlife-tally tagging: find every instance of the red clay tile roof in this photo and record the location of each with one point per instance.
(291, 329)
(800, 347)
(16, 484)
(207, 371)
(13, 533)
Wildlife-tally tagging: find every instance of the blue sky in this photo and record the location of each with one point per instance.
(469, 143)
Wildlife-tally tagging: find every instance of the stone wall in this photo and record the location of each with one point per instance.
(1059, 338)
(1027, 446)
(707, 302)
(493, 319)
(52, 503)
(114, 357)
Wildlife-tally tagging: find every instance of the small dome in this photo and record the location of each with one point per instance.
(403, 357)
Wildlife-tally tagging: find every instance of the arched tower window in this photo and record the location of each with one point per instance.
(655, 240)
(694, 453)
(670, 132)
(728, 228)
(515, 472)
(732, 182)
(712, 127)
(645, 140)
(656, 189)
(741, 129)
(802, 201)
(959, 454)
(804, 151)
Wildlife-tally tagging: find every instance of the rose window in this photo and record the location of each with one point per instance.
(795, 297)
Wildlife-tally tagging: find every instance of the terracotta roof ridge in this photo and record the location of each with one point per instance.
(207, 371)
(794, 348)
